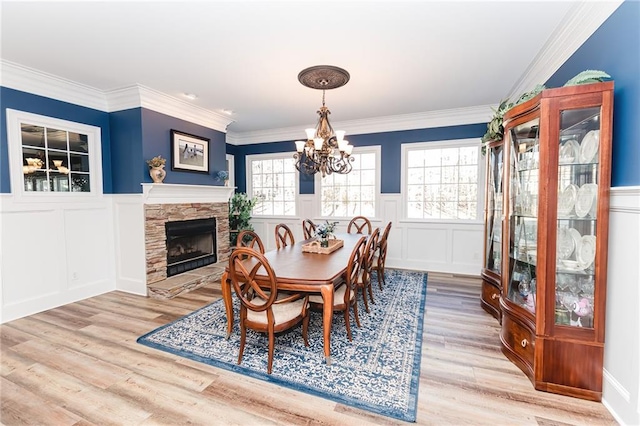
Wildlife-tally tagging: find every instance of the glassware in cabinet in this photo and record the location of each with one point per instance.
(577, 213)
(493, 222)
(523, 214)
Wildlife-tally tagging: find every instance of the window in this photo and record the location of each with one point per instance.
(273, 181)
(51, 155)
(442, 180)
(352, 194)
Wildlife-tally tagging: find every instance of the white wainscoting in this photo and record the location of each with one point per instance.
(128, 218)
(54, 253)
(449, 247)
(621, 385)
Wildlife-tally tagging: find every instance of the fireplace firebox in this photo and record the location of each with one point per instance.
(191, 244)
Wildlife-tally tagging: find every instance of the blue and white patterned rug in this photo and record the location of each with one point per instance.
(379, 371)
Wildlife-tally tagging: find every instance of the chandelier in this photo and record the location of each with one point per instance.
(324, 151)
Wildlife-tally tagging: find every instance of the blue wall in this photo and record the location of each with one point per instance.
(126, 151)
(390, 143)
(615, 49)
(15, 99)
(139, 134)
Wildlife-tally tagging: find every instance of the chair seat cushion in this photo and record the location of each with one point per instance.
(281, 312)
(338, 296)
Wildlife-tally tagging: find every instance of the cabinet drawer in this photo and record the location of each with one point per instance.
(519, 339)
(491, 295)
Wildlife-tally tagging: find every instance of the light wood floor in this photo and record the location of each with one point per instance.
(80, 364)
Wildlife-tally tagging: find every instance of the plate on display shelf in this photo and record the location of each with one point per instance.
(571, 265)
(576, 236)
(586, 199)
(586, 251)
(569, 152)
(565, 245)
(589, 146)
(566, 200)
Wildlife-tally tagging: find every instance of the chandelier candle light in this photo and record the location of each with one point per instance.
(324, 151)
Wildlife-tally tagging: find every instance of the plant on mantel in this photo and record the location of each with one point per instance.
(240, 209)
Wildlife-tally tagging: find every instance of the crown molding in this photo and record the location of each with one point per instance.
(29, 80)
(580, 23)
(25, 79)
(421, 120)
(146, 97)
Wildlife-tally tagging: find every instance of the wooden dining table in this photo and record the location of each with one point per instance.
(304, 272)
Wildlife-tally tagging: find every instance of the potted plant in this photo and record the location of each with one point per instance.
(324, 231)
(240, 209)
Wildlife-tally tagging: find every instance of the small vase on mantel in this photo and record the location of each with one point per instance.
(157, 174)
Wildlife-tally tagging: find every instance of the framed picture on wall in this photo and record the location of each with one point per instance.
(189, 153)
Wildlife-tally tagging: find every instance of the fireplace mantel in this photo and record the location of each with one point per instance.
(166, 193)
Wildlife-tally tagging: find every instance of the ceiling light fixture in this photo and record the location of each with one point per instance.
(324, 151)
(190, 96)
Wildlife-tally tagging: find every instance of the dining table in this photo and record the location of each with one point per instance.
(300, 271)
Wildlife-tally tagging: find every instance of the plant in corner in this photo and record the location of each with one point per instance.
(240, 209)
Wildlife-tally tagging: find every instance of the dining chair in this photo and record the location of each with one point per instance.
(261, 307)
(358, 224)
(284, 236)
(364, 280)
(247, 238)
(381, 257)
(308, 228)
(345, 296)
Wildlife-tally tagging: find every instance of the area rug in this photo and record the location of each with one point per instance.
(378, 371)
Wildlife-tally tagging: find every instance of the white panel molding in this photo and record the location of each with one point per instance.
(616, 385)
(625, 199)
(421, 120)
(49, 222)
(128, 218)
(580, 23)
(621, 373)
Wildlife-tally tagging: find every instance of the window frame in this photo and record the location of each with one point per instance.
(249, 180)
(407, 148)
(14, 121)
(375, 149)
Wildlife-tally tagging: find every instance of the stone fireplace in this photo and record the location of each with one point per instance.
(191, 244)
(186, 236)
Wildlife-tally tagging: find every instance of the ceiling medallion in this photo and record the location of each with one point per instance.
(323, 77)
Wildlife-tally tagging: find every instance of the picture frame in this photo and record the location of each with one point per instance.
(189, 153)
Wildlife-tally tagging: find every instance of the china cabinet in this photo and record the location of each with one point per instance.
(492, 260)
(556, 205)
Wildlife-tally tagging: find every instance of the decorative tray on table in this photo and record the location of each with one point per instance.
(315, 247)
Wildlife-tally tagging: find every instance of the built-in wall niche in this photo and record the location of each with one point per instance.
(52, 155)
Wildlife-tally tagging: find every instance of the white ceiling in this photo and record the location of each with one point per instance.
(404, 57)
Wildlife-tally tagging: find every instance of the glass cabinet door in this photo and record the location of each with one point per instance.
(577, 213)
(523, 214)
(493, 244)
